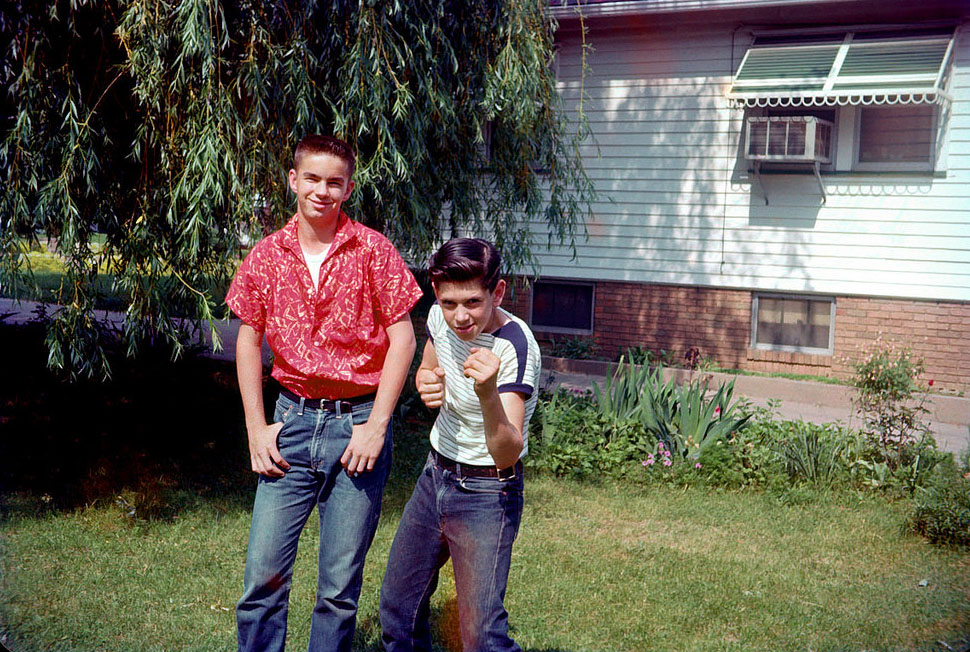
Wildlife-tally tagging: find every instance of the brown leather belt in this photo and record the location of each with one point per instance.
(327, 405)
(463, 470)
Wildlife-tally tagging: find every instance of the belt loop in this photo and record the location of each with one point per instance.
(458, 470)
(302, 401)
(336, 407)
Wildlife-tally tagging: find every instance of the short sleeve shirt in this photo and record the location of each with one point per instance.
(328, 341)
(459, 430)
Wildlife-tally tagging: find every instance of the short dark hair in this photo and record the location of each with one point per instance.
(317, 144)
(466, 259)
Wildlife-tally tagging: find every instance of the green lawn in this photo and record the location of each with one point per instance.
(595, 568)
(602, 566)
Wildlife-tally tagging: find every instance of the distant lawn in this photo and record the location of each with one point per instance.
(47, 274)
(125, 509)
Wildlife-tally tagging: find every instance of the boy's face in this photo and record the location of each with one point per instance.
(322, 184)
(469, 308)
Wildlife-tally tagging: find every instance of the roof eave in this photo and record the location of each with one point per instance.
(572, 8)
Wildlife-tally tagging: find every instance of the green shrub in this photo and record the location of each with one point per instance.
(574, 348)
(814, 453)
(686, 418)
(942, 510)
(570, 437)
(641, 355)
(749, 457)
(891, 404)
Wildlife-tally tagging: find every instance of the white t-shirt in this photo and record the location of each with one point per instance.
(459, 430)
(315, 262)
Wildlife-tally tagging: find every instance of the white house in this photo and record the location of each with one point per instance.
(780, 181)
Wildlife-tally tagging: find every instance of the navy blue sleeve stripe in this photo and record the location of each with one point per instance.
(514, 334)
(522, 388)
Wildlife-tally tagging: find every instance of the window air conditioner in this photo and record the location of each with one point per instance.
(789, 139)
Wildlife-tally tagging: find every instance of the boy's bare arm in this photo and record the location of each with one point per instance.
(367, 440)
(263, 452)
(503, 414)
(429, 379)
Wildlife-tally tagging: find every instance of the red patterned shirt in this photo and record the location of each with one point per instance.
(328, 342)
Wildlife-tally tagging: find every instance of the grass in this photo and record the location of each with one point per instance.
(125, 510)
(600, 568)
(45, 283)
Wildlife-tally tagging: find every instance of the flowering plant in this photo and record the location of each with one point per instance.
(892, 403)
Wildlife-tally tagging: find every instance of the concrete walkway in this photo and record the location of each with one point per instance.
(805, 400)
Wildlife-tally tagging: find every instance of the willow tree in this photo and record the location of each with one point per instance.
(168, 128)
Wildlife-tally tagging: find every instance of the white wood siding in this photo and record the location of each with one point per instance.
(677, 207)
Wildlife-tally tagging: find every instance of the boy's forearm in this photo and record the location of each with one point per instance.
(502, 438)
(249, 370)
(394, 374)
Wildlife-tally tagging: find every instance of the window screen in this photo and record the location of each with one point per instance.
(896, 134)
(793, 322)
(562, 306)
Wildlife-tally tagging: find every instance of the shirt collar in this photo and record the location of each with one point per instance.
(347, 230)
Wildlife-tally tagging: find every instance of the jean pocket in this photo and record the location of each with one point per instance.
(284, 414)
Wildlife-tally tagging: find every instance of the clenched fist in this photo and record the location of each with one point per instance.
(431, 386)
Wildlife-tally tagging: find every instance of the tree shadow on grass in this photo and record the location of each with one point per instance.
(156, 438)
(154, 429)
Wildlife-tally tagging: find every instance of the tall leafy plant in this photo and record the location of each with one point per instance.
(704, 419)
(686, 418)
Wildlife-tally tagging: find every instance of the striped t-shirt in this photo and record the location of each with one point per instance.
(459, 431)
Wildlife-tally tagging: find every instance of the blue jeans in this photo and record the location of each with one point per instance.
(473, 520)
(312, 443)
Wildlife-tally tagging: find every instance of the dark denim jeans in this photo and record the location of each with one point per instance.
(475, 521)
(312, 443)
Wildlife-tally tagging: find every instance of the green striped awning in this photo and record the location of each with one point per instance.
(844, 68)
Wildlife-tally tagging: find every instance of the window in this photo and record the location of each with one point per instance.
(792, 323)
(893, 138)
(562, 307)
(896, 137)
(882, 91)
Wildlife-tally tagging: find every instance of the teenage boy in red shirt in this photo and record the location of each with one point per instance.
(332, 298)
(481, 367)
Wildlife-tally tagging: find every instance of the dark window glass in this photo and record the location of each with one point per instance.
(799, 323)
(562, 305)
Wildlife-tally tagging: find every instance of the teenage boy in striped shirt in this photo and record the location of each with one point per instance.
(481, 367)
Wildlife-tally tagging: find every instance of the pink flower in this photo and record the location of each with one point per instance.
(666, 453)
(667, 462)
(717, 411)
(697, 466)
(660, 445)
(930, 382)
(648, 461)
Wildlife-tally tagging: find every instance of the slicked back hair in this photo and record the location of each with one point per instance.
(466, 259)
(317, 144)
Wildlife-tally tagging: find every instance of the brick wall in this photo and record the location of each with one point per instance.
(936, 331)
(718, 322)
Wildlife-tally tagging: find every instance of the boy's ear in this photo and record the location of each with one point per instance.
(350, 189)
(499, 292)
(293, 179)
